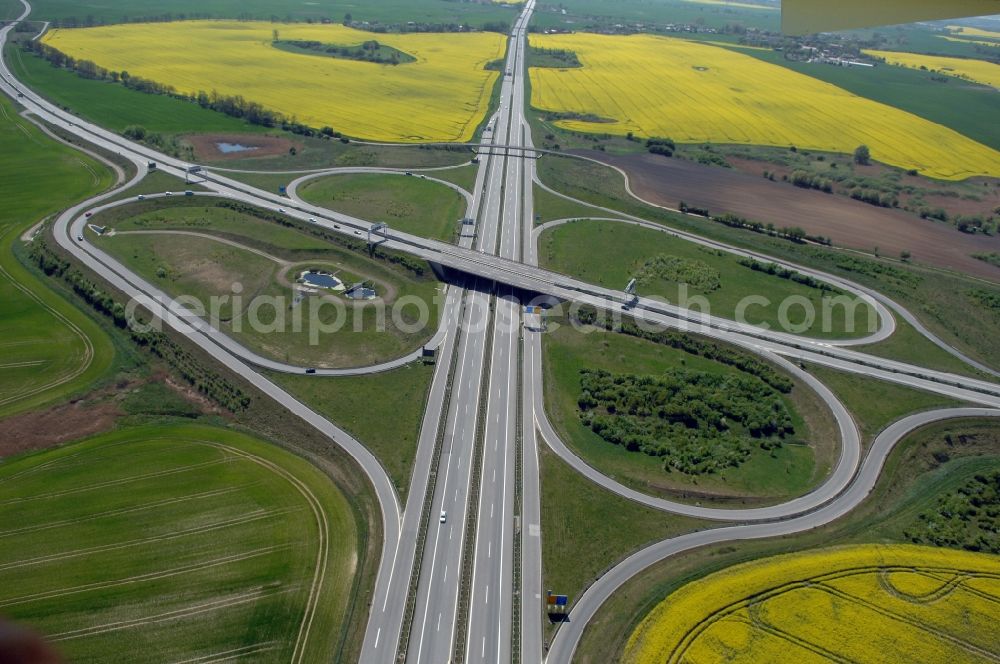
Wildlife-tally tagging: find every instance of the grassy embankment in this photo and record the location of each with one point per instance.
(392, 436)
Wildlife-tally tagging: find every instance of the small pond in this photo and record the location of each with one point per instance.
(229, 148)
(322, 280)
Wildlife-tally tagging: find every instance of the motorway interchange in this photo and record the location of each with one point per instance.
(460, 577)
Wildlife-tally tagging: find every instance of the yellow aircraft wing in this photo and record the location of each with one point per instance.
(800, 17)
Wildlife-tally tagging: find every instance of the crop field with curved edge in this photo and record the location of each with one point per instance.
(182, 542)
(977, 71)
(695, 93)
(47, 348)
(856, 603)
(441, 97)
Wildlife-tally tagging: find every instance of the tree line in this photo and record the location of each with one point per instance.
(194, 371)
(784, 273)
(690, 344)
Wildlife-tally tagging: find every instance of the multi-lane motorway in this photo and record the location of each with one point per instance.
(460, 574)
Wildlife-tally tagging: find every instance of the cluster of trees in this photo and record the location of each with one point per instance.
(693, 209)
(993, 258)
(967, 518)
(369, 51)
(233, 105)
(806, 180)
(661, 146)
(413, 26)
(989, 299)
(697, 274)
(744, 362)
(795, 234)
(208, 382)
(874, 197)
(878, 270)
(784, 273)
(975, 223)
(697, 422)
(937, 213)
(553, 57)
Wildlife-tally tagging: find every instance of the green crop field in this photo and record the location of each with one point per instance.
(407, 203)
(179, 542)
(966, 107)
(389, 12)
(625, 249)
(48, 348)
(788, 470)
(598, 14)
(259, 260)
(116, 107)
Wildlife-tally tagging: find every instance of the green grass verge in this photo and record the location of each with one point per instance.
(116, 107)
(409, 204)
(908, 345)
(270, 319)
(463, 176)
(876, 404)
(944, 301)
(384, 411)
(624, 249)
(765, 477)
(599, 15)
(389, 12)
(49, 348)
(586, 529)
(549, 207)
(179, 541)
(911, 483)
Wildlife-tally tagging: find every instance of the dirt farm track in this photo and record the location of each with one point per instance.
(849, 223)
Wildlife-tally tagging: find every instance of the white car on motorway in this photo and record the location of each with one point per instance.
(444, 516)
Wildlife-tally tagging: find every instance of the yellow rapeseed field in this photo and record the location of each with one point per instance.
(441, 97)
(978, 71)
(855, 603)
(692, 92)
(974, 32)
